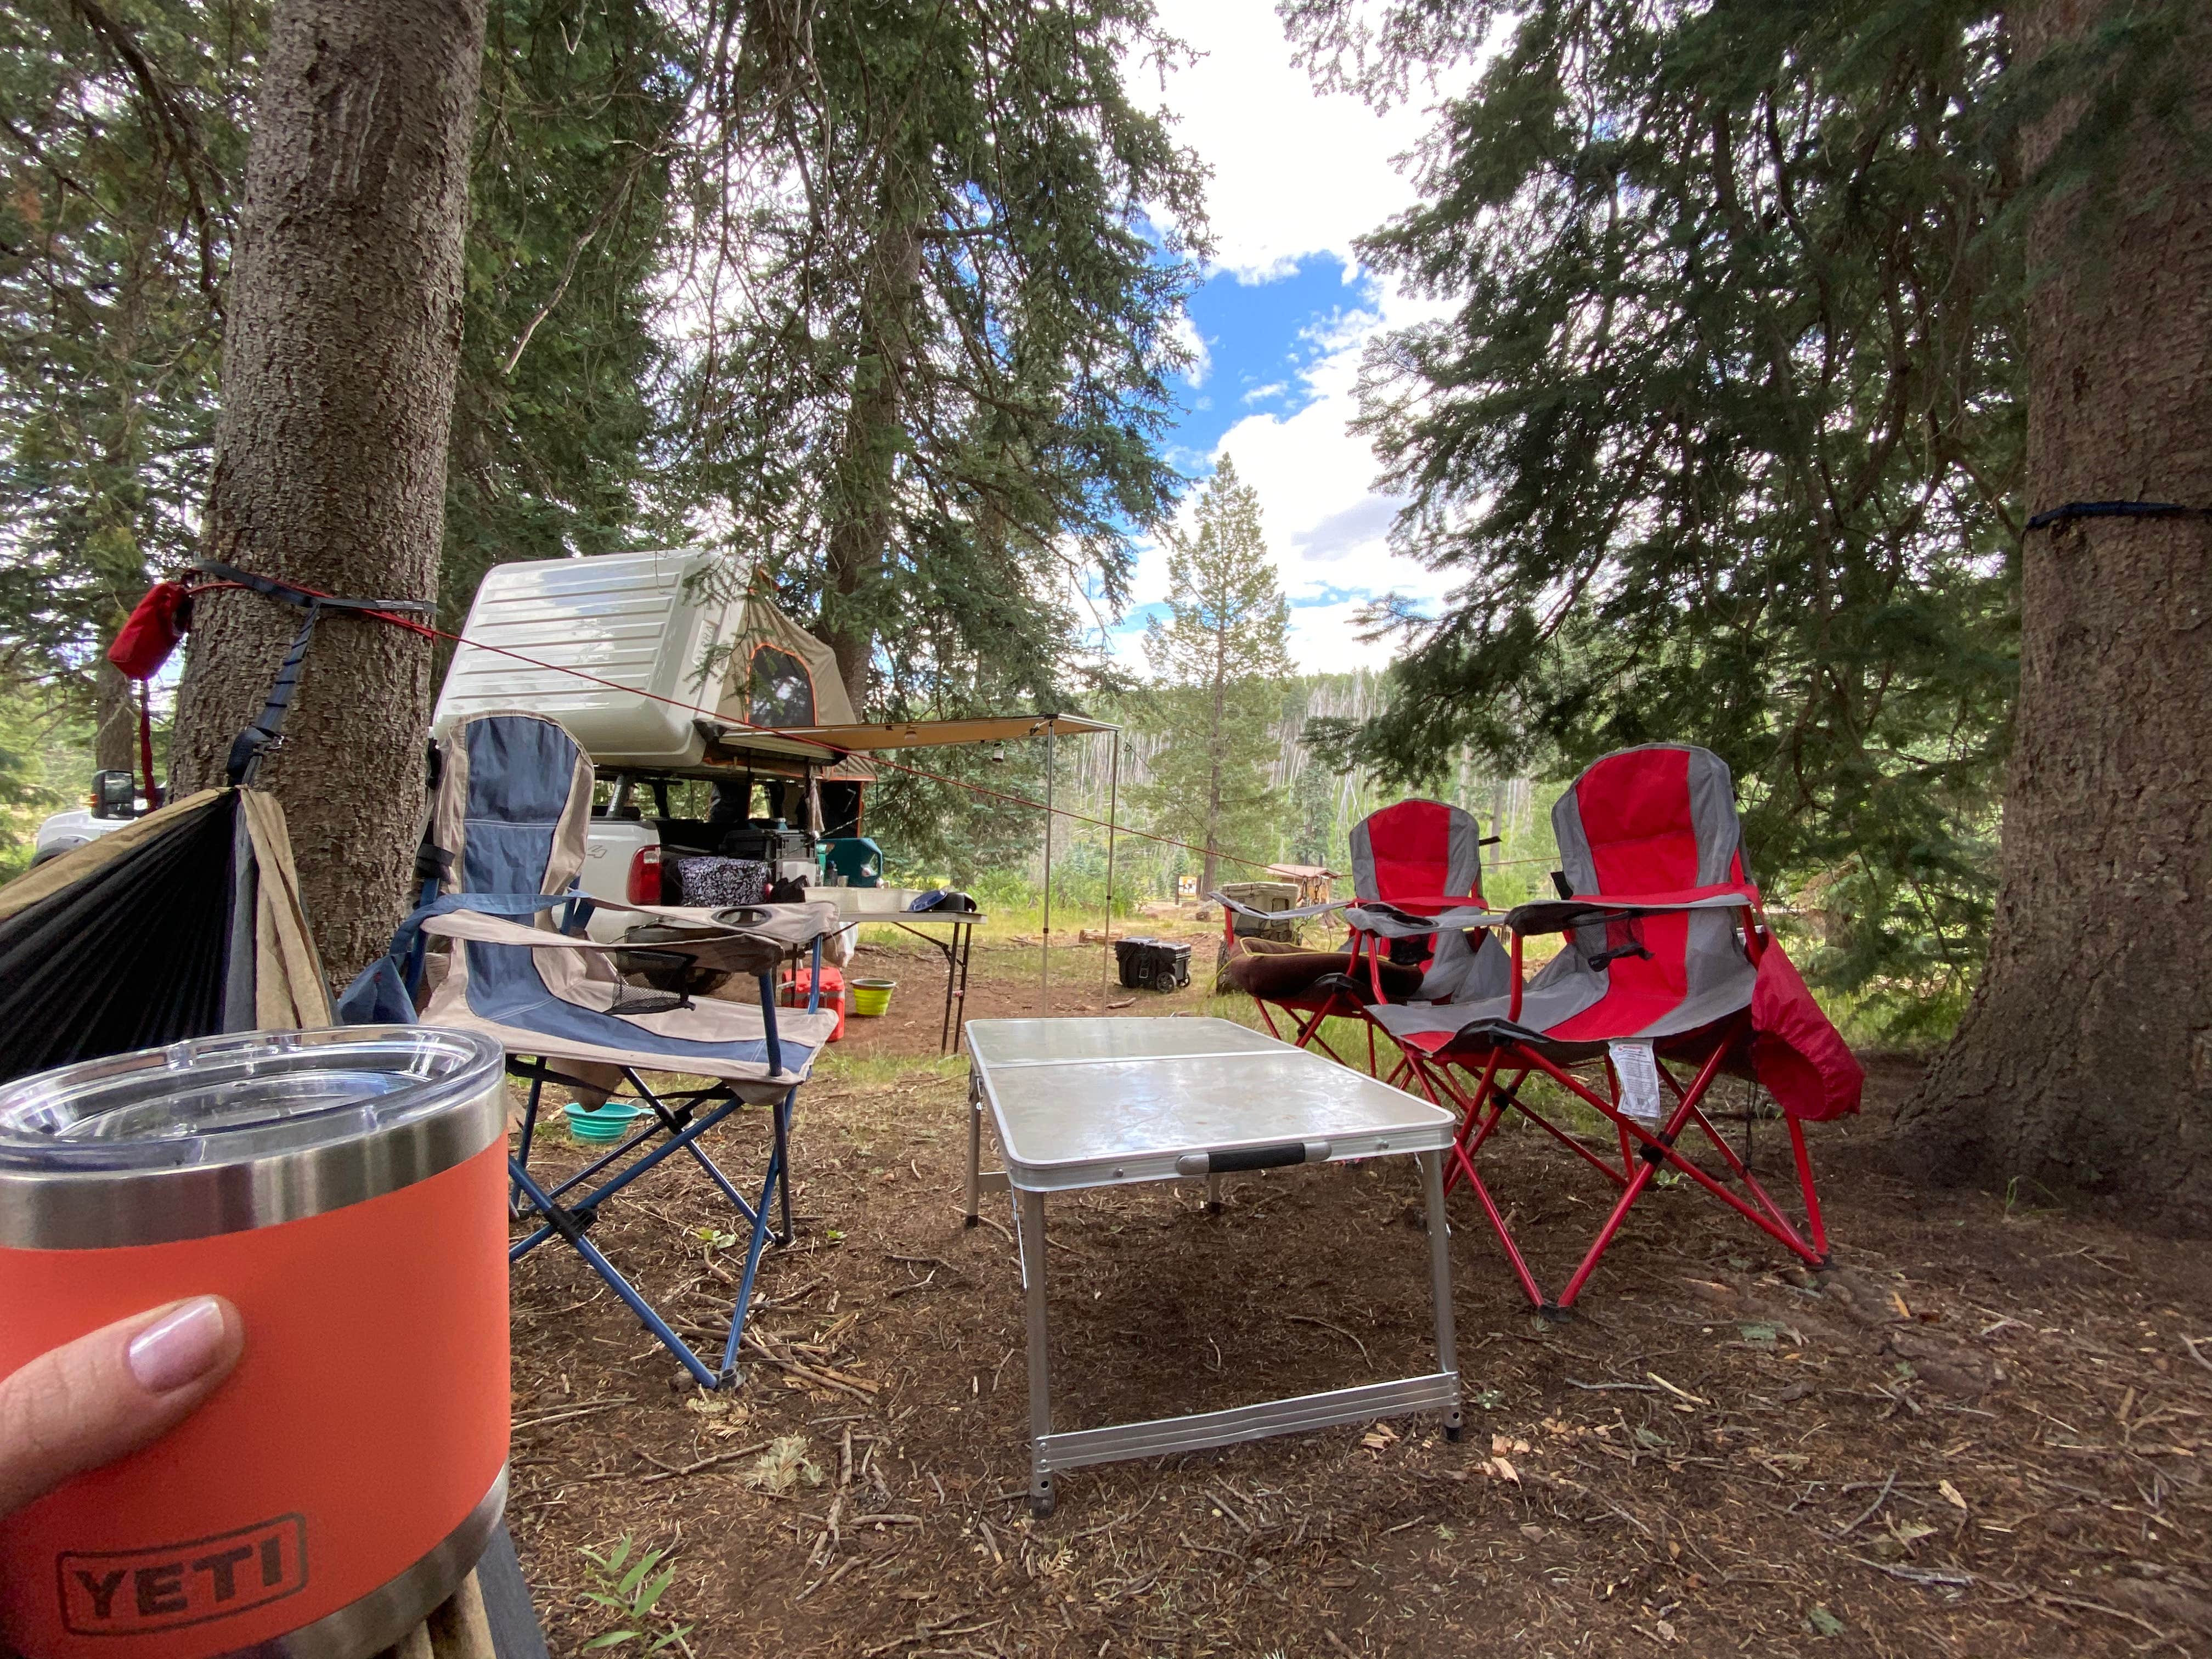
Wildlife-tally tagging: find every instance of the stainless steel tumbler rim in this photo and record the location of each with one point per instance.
(387, 1613)
(296, 1124)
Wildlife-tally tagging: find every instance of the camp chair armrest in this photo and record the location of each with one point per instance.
(1427, 904)
(1382, 920)
(1564, 915)
(724, 950)
(1300, 914)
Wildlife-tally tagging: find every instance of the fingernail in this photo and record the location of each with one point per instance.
(182, 1344)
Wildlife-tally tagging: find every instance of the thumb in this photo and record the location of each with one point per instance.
(109, 1393)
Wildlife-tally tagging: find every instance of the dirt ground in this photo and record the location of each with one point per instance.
(1982, 1432)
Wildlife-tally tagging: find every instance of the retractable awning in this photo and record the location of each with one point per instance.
(870, 735)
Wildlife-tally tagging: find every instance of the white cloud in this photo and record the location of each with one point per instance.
(1202, 360)
(1325, 639)
(1327, 526)
(1295, 172)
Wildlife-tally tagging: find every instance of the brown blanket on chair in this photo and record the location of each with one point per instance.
(1271, 971)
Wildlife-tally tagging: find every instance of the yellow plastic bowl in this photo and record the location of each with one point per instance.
(872, 997)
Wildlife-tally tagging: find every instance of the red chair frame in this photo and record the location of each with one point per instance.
(1500, 1069)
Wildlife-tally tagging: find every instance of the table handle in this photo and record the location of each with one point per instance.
(1253, 1158)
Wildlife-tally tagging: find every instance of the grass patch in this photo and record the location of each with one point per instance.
(888, 1071)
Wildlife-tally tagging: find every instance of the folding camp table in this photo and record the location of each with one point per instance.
(1077, 1104)
(950, 933)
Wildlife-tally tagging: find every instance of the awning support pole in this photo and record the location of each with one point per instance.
(1113, 798)
(1044, 975)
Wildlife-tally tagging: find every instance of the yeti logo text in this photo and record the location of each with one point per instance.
(126, 1592)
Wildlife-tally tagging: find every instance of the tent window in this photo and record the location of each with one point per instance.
(782, 692)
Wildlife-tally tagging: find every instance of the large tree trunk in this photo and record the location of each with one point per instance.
(337, 387)
(2085, 1061)
(860, 505)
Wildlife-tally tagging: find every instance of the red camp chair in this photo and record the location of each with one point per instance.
(1666, 977)
(1410, 861)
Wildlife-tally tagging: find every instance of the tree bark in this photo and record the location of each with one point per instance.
(115, 716)
(338, 364)
(2084, 1063)
(867, 463)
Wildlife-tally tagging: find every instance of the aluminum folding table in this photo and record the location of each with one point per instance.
(1077, 1104)
(951, 934)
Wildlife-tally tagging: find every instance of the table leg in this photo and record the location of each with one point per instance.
(1040, 1493)
(975, 1146)
(1440, 1292)
(950, 947)
(964, 939)
(1212, 1192)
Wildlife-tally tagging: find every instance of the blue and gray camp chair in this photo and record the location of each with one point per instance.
(505, 844)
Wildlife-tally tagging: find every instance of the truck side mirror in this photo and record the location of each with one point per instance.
(114, 794)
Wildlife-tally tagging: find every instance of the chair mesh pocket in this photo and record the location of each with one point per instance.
(650, 982)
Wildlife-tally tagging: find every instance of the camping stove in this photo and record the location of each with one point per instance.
(346, 1188)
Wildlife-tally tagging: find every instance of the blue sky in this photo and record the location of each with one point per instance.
(1284, 320)
(1259, 338)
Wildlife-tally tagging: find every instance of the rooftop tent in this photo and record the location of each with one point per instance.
(778, 673)
(183, 924)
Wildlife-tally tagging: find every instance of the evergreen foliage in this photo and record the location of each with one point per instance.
(121, 139)
(121, 151)
(1221, 658)
(939, 324)
(45, 765)
(874, 296)
(1723, 439)
(559, 421)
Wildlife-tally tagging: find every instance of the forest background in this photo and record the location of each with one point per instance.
(1715, 430)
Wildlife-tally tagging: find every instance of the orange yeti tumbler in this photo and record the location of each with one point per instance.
(347, 1189)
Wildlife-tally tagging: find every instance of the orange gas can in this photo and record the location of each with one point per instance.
(346, 1189)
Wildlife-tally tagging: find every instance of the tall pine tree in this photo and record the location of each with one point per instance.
(1721, 441)
(1782, 332)
(938, 327)
(1221, 656)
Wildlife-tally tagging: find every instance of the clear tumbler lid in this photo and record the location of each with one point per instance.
(281, 1123)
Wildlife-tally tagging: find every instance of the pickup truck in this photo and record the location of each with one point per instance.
(115, 801)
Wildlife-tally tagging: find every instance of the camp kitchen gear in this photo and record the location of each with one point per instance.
(1077, 1104)
(872, 997)
(346, 1188)
(855, 858)
(951, 934)
(608, 1122)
